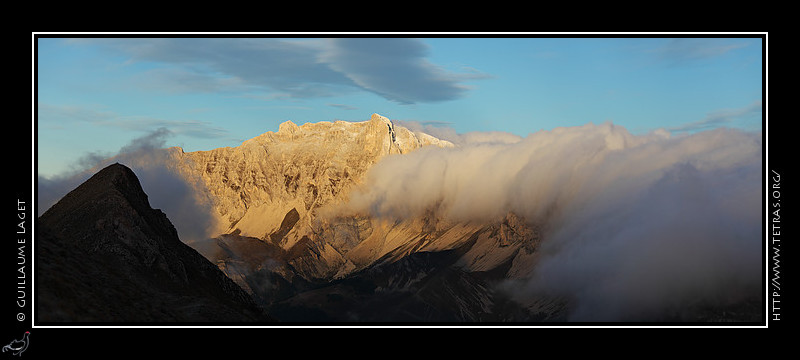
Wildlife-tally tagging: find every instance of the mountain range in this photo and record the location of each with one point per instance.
(285, 242)
(290, 241)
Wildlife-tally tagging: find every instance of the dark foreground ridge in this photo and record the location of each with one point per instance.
(104, 255)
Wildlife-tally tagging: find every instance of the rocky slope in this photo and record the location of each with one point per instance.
(445, 275)
(103, 254)
(282, 237)
(293, 230)
(253, 186)
(283, 187)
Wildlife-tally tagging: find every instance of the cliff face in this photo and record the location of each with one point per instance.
(282, 237)
(301, 228)
(273, 188)
(297, 168)
(103, 254)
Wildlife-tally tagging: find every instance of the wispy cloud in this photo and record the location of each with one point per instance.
(179, 80)
(394, 68)
(721, 118)
(343, 106)
(546, 54)
(685, 50)
(57, 115)
(63, 115)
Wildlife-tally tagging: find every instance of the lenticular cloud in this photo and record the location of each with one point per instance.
(634, 226)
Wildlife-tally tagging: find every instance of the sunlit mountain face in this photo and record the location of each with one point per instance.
(365, 222)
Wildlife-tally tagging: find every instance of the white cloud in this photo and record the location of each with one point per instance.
(632, 225)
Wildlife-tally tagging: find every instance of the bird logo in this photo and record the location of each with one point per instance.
(18, 346)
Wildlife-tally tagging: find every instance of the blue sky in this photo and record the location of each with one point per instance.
(95, 95)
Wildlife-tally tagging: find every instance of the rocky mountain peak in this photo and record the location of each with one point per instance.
(104, 238)
(379, 118)
(253, 186)
(115, 177)
(112, 194)
(288, 127)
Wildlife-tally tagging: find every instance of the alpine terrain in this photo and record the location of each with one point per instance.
(103, 254)
(284, 236)
(298, 230)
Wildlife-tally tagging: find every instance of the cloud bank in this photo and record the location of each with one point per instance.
(634, 227)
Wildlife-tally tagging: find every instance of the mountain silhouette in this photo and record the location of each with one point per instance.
(104, 255)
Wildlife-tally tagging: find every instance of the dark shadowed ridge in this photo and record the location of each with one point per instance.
(104, 255)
